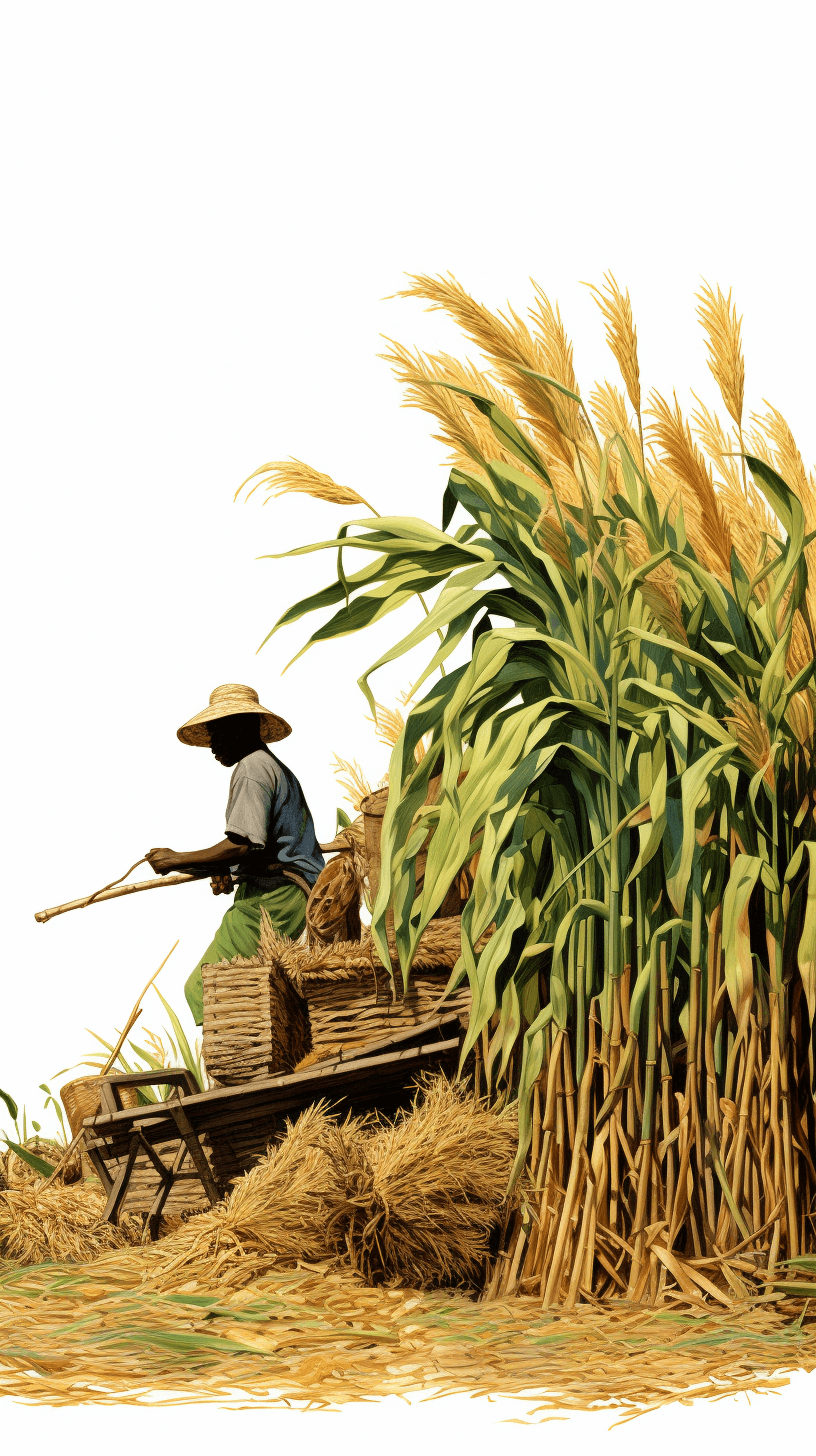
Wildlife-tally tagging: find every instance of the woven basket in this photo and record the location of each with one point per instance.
(347, 1015)
(333, 910)
(255, 1023)
(349, 992)
(81, 1098)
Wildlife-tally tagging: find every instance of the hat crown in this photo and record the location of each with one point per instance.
(229, 691)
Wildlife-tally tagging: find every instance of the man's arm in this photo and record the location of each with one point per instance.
(169, 861)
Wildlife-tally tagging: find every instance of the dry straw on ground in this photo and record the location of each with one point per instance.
(318, 1334)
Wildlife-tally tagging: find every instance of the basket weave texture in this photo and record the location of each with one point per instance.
(333, 911)
(295, 1004)
(255, 1022)
(351, 997)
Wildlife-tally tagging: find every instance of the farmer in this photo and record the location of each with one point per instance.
(270, 844)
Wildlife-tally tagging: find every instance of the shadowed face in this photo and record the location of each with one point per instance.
(231, 739)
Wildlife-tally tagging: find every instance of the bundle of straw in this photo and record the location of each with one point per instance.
(57, 1223)
(333, 911)
(277, 1213)
(422, 1195)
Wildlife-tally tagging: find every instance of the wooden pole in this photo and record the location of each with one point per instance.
(134, 889)
(134, 1015)
(131, 1022)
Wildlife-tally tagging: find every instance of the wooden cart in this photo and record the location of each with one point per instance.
(210, 1138)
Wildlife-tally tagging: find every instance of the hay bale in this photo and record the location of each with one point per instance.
(255, 1022)
(423, 1194)
(59, 1224)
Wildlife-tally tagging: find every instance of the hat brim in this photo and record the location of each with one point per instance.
(196, 731)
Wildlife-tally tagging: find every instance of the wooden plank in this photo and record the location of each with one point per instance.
(157, 1206)
(99, 1166)
(400, 1038)
(357, 1082)
(294, 1087)
(168, 1077)
(408, 1034)
(358, 1086)
(240, 1123)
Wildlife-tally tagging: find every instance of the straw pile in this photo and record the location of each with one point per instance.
(422, 1195)
(319, 1335)
(58, 1224)
(277, 1213)
(14, 1172)
(414, 1201)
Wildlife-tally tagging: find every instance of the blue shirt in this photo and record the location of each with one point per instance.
(267, 807)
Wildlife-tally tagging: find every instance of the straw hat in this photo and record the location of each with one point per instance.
(232, 698)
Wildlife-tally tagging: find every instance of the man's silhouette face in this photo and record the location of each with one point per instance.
(231, 739)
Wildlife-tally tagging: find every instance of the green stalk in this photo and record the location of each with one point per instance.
(650, 1080)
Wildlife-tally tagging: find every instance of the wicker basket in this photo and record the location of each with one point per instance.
(255, 1023)
(81, 1098)
(333, 910)
(349, 992)
(347, 1015)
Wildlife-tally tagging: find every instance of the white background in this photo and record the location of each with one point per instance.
(205, 208)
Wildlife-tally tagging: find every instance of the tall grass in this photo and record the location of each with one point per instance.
(631, 746)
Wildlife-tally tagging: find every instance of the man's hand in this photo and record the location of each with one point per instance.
(162, 861)
(222, 884)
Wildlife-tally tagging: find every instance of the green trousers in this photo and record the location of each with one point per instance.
(240, 930)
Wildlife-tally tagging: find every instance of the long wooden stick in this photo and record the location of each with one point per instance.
(134, 1015)
(134, 889)
(131, 1022)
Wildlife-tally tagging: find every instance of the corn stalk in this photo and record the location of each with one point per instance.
(649, 988)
